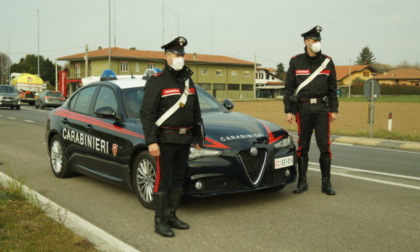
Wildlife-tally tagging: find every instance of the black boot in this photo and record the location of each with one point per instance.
(161, 221)
(302, 169)
(174, 198)
(325, 164)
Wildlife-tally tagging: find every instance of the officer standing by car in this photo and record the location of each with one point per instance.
(310, 99)
(171, 119)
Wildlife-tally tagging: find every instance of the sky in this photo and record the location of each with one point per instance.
(265, 31)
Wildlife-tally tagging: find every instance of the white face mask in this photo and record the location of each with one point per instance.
(316, 47)
(177, 63)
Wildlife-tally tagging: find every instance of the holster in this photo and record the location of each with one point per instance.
(294, 104)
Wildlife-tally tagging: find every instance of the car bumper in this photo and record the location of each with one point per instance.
(228, 174)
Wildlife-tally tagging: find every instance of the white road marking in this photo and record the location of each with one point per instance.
(371, 179)
(29, 121)
(13, 118)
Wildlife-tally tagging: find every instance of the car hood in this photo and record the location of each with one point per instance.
(233, 130)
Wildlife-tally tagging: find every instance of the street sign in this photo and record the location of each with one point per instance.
(371, 89)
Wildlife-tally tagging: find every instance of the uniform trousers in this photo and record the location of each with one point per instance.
(170, 166)
(318, 122)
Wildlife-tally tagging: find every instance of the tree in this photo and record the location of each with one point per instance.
(366, 57)
(281, 73)
(29, 64)
(5, 62)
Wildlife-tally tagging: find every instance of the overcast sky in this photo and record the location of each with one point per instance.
(268, 30)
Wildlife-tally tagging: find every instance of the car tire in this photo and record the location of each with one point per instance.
(17, 107)
(12, 107)
(42, 105)
(58, 159)
(143, 178)
(36, 105)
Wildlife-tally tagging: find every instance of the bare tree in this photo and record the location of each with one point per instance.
(5, 63)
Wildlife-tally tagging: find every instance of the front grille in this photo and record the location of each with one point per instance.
(254, 165)
(274, 177)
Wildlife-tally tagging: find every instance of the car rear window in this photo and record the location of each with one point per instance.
(54, 94)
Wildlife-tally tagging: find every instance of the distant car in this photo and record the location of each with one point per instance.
(97, 132)
(49, 98)
(9, 97)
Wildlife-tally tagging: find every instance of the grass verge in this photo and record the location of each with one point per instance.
(25, 227)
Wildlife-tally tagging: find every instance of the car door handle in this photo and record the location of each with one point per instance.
(89, 126)
(64, 120)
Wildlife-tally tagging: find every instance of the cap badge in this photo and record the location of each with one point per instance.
(318, 29)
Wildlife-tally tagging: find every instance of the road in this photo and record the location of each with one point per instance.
(376, 207)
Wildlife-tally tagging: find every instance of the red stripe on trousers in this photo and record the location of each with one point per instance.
(157, 181)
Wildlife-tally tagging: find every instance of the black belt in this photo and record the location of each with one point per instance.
(311, 101)
(179, 131)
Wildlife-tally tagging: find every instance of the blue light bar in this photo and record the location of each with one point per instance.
(108, 75)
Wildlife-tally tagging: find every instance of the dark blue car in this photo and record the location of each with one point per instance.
(97, 132)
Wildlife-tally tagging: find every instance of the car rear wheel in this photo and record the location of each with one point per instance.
(143, 178)
(42, 105)
(58, 159)
(17, 107)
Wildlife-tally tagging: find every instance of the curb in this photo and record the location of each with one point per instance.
(103, 241)
(379, 143)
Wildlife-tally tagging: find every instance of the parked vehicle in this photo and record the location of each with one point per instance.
(97, 132)
(49, 98)
(9, 97)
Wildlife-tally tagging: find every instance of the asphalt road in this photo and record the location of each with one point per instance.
(376, 207)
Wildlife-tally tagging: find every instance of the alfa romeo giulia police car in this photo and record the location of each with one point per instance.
(97, 132)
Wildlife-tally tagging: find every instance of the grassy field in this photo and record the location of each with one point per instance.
(353, 116)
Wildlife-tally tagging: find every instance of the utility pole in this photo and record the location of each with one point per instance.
(38, 41)
(109, 36)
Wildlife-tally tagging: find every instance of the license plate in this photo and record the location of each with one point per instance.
(283, 162)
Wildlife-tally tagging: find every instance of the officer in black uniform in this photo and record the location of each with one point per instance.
(313, 106)
(169, 139)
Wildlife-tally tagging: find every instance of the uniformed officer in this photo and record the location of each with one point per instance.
(310, 99)
(172, 121)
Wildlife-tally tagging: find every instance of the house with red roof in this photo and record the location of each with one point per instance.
(268, 85)
(221, 76)
(409, 77)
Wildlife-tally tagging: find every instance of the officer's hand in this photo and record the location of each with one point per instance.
(197, 146)
(154, 150)
(333, 116)
(291, 118)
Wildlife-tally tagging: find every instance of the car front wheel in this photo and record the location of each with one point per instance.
(58, 159)
(143, 178)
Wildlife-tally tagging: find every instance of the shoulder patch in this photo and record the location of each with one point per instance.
(158, 74)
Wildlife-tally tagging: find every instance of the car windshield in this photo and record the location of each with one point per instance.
(8, 89)
(133, 97)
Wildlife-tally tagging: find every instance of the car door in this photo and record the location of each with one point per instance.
(75, 121)
(105, 157)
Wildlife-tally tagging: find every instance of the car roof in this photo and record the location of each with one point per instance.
(122, 81)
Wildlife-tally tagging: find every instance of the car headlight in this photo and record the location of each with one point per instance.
(194, 153)
(286, 142)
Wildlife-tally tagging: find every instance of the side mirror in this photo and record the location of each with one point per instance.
(228, 104)
(106, 112)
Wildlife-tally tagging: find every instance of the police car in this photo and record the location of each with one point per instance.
(97, 132)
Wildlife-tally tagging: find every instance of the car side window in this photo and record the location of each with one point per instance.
(84, 98)
(106, 98)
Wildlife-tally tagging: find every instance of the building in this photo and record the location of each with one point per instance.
(268, 85)
(346, 74)
(409, 77)
(221, 76)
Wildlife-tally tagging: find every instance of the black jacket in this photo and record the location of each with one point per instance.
(301, 67)
(162, 91)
